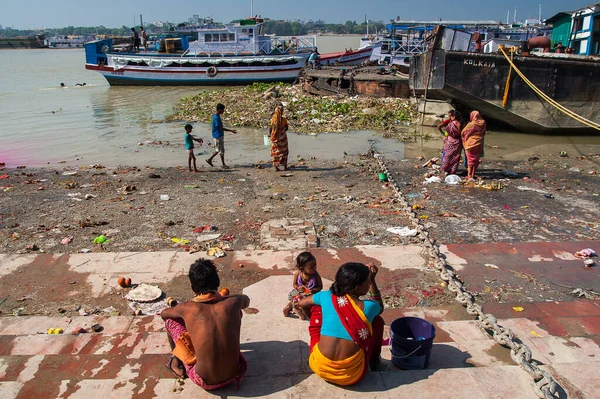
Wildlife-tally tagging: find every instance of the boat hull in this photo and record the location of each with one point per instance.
(478, 81)
(199, 77)
(355, 57)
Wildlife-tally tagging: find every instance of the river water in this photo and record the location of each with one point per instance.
(42, 123)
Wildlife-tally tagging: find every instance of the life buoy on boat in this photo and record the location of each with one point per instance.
(212, 72)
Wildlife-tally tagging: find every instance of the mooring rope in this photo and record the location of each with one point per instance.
(556, 105)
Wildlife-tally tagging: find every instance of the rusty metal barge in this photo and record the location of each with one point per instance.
(371, 81)
(479, 81)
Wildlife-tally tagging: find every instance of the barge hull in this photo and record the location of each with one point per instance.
(478, 81)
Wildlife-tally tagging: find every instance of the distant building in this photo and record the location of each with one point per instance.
(561, 28)
(578, 30)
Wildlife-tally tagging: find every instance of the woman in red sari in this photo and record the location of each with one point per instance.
(346, 332)
(279, 140)
(452, 143)
(472, 138)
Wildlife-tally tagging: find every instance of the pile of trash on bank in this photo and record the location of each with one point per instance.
(252, 106)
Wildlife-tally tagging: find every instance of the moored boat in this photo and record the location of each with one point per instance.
(68, 41)
(479, 81)
(234, 54)
(349, 56)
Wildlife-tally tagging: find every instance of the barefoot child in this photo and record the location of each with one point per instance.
(307, 281)
(218, 133)
(189, 146)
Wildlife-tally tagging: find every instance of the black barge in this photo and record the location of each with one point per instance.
(478, 81)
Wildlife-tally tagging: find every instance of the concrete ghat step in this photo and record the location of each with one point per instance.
(127, 359)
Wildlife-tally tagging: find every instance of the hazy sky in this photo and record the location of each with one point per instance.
(23, 14)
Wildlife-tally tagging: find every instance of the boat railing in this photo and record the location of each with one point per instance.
(264, 45)
(414, 46)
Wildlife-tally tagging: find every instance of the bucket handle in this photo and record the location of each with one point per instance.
(402, 357)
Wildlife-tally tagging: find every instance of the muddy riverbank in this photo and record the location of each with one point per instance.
(544, 198)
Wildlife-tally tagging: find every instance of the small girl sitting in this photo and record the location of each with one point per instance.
(307, 281)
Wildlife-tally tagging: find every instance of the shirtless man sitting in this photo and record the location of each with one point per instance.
(205, 332)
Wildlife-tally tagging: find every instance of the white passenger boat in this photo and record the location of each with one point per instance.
(237, 53)
(68, 41)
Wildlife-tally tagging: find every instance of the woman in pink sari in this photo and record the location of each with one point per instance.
(452, 143)
(472, 138)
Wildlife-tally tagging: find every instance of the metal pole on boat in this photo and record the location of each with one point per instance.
(508, 17)
(251, 8)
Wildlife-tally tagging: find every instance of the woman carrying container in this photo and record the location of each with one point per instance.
(346, 332)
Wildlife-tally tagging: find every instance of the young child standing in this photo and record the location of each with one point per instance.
(218, 133)
(307, 281)
(189, 146)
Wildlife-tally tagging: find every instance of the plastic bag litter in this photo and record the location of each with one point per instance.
(432, 179)
(585, 253)
(453, 179)
(403, 231)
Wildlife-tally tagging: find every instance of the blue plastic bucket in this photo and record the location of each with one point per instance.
(411, 340)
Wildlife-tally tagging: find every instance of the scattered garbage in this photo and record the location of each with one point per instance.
(431, 162)
(205, 228)
(563, 154)
(510, 173)
(97, 328)
(432, 179)
(111, 309)
(589, 263)
(78, 330)
(518, 308)
(191, 186)
(55, 331)
(216, 252)
(587, 294)
(453, 180)
(311, 114)
(66, 240)
(164, 197)
(153, 176)
(585, 253)
(208, 237)
(100, 240)
(71, 173)
(383, 177)
(403, 231)
(524, 188)
(82, 312)
(180, 241)
(574, 170)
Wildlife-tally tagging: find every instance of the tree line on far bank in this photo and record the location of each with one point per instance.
(279, 28)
